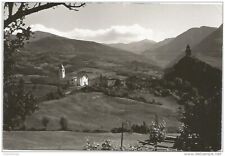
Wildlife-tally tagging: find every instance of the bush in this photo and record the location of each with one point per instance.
(45, 122)
(157, 132)
(55, 95)
(63, 123)
(106, 146)
(119, 130)
(143, 129)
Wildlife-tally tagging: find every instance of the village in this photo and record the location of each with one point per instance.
(135, 87)
(110, 84)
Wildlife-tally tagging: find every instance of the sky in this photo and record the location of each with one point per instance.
(125, 22)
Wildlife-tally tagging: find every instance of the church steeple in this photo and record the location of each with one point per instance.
(61, 71)
(188, 51)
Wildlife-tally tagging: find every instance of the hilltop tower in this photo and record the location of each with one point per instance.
(188, 51)
(61, 72)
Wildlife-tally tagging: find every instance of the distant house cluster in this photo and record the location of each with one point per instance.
(79, 79)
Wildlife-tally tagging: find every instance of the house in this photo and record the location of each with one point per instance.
(81, 79)
(112, 81)
(73, 80)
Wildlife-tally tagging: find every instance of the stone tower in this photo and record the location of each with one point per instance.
(188, 51)
(61, 72)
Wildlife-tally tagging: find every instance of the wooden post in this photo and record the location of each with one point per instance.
(155, 146)
(121, 145)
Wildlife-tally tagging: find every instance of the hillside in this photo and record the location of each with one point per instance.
(135, 47)
(95, 110)
(167, 53)
(45, 42)
(206, 78)
(45, 51)
(159, 44)
(210, 48)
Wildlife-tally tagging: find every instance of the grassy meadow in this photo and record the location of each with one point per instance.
(62, 140)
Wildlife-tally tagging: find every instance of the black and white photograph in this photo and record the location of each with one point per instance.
(112, 76)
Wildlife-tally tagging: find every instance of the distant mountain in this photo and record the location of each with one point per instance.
(161, 43)
(135, 47)
(42, 42)
(169, 52)
(45, 51)
(210, 48)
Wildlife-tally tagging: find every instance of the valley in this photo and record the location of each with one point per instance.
(124, 84)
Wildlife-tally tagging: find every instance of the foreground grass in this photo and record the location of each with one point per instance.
(56, 140)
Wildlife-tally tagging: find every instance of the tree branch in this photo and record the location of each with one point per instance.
(73, 6)
(21, 13)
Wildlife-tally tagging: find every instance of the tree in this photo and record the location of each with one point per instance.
(63, 123)
(17, 103)
(45, 122)
(188, 51)
(157, 132)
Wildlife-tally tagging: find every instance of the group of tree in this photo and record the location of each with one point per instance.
(202, 101)
(134, 128)
(201, 120)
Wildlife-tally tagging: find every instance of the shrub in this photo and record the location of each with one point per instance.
(119, 130)
(143, 129)
(107, 146)
(63, 123)
(89, 147)
(157, 132)
(55, 95)
(45, 122)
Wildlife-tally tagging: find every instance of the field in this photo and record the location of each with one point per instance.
(97, 111)
(56, 140)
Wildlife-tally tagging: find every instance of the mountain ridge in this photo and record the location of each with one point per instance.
(136, 47)
(170, 51)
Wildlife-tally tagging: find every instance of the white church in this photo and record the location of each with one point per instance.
(61, 72)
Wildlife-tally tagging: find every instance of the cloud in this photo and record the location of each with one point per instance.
(113, 34)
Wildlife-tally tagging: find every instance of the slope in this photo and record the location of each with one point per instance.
(134, 47)
(45, 51)
(206, 78)
(210, 49)
(95, 110)
(170, 51)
